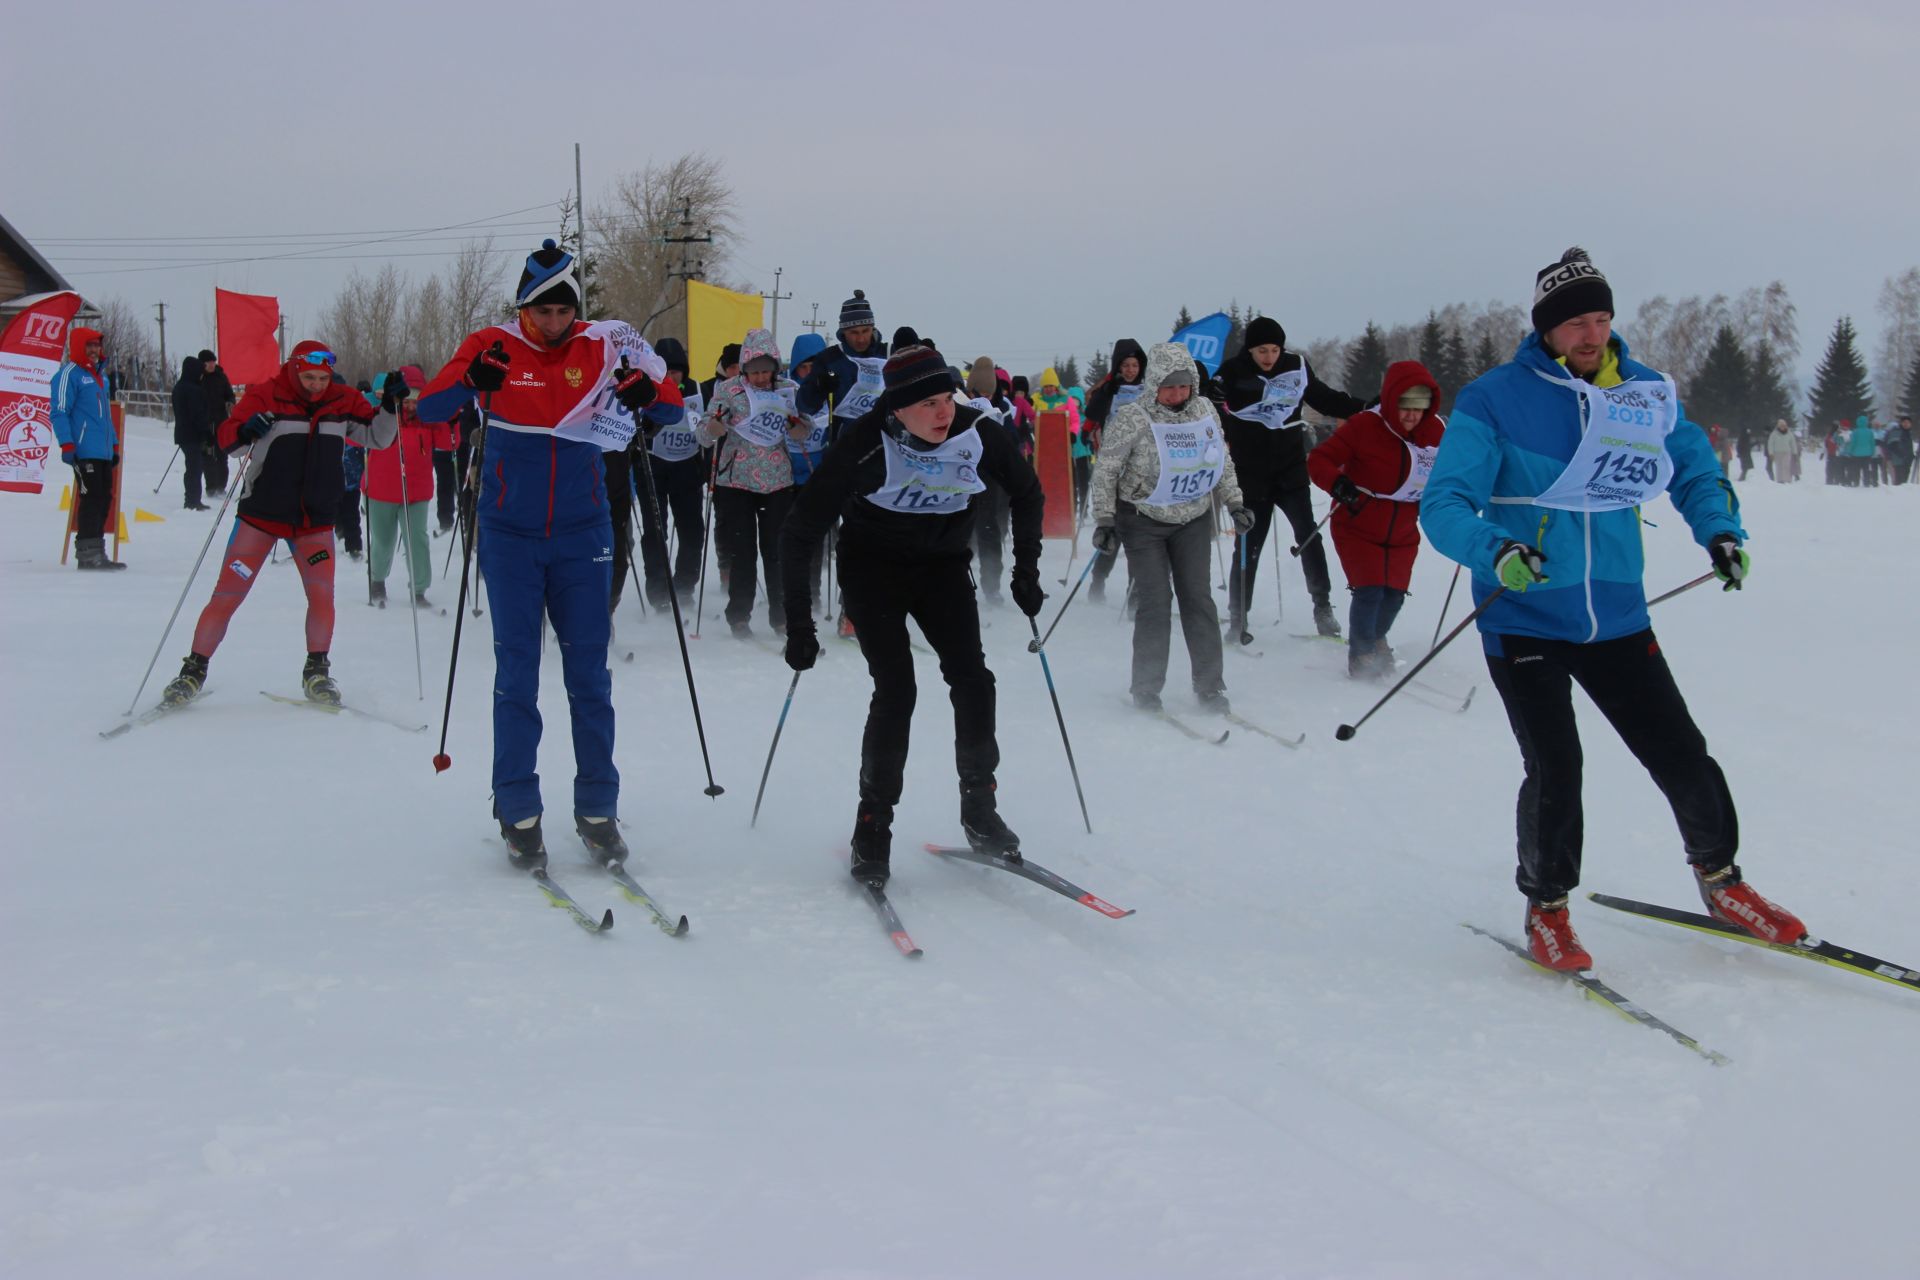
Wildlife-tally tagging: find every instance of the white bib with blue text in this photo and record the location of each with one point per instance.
(677, 443)
(767, 413)
(1278, 402)
(866, 390)
(931, 482)
(1622, 460)
(1192, 457)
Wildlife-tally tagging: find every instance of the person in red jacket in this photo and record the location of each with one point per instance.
(1375, 466)
(295, 428)
(395, 496)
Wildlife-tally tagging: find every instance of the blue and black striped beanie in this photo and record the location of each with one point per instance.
(548, 278)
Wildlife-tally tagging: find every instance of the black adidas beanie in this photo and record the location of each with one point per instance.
(1570, 287)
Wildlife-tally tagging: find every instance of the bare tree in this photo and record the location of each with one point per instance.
(640, 278)
(1767, 316)
(363, 323)
(1900, 340)
(132, 345)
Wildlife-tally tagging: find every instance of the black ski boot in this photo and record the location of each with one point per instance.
(186, 686)
(319, 685)
(872, 843)
(1323, 620)
(980, 819)
(1215, 703)
(602, 838)
(91, 553)
(526, 845)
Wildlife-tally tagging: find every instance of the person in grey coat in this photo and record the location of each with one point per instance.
(1163, 461)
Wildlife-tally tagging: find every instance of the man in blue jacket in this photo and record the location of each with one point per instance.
(83, 424)
(1537, 490)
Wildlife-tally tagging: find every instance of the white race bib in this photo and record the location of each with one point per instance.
(597, 417)
(1278, 402)
(1419, 469)
(1125, 394)
(816, 437)
(1192, 457)
(866, 391)
(1622, 460)
(767, 413)
(985, 406)
(933, 482)
(678, 442)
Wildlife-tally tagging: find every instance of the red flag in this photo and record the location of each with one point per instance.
(31, 349)
(245, 323)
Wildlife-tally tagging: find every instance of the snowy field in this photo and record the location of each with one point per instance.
(276, 1005)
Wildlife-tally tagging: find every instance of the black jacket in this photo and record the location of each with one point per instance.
(1270, 462)
(855, 465)
(193, 418)
(1100, 403)
(219, 389)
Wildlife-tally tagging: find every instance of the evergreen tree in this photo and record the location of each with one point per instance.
(1182, 320)
(1722, 390)
(1069, 372)
(1097, 369)
(1367, 363)
(1768, 400)
(1433, 344)
(1486, 356)
(1910, 398)
(1237, 327)
(1841, 391)
(1455, 371)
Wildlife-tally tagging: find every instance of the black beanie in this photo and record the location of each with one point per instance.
(914, 373)
(1262, 330)
(1570, 287)
(674, 353)
(904, 336)
(856, 311)
(206, 355)
(729, 354)
(547, 279)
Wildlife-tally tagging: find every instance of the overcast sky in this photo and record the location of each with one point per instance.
(1012, 179)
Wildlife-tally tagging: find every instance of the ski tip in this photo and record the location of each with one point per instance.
(1221, 740)
(1104, 907)
(680, 930)
(606, 921)
(906, 946)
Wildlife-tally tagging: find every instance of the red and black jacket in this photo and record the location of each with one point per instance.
(295, 474)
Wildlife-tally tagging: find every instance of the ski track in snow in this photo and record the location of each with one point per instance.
(277, 1002)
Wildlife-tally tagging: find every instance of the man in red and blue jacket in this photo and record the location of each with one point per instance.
(545, 540)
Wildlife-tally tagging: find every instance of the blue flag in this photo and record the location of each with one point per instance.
(1206, 339)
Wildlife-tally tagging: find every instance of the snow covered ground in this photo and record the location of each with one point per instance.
(275, 1003)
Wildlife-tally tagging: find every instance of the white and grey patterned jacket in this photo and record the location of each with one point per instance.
(1128, 467)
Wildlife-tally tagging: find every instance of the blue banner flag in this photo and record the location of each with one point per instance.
(1206, 339)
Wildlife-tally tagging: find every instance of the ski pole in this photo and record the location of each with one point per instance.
(404, 530)
(366, 511)
(706, 541)
(165, 470)
(1301, 545)
(1039, 642)
(1446, 604)
(773, 747)
(1700, 581)
(679, 628)
(200, 560)
(441, 760)
(1047, 670)
(1346, 731)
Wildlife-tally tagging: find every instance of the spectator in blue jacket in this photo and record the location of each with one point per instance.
(82, 423)
(1537, 490)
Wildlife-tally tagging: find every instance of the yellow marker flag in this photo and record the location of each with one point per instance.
(142, 516)
(66, 497)
(716, 317)
(123, 535)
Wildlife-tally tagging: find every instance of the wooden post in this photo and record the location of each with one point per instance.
(119, 415)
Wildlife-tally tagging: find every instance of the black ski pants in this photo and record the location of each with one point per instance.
(990, 510)
(619, 478)
(445, 487)
(746, 524)
(1628, 680)
(1297, 506)
(92, 497)
(194, 465)
(676, 490)
(938, 595)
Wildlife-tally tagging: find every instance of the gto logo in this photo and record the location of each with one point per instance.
(45, 328)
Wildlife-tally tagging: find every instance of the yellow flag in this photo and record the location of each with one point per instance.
(143, 516)
(124, 535)
(716, 317)
(66, 497)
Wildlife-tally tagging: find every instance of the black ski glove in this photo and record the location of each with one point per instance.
(803, 647)
(488, 370)
(255, 427)
(1347, 494)
(1027, 594)
(1242, 520)
(394, 392)
(1729, 562)
(1106, 540)
(633, 389)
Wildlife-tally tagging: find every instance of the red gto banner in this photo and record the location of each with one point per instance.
(30, 353)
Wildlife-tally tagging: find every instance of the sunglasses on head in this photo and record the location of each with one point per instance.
(317, 358)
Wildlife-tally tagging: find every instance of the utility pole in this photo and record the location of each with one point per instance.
(816, 324)
(776, 295)
(162, 308)
(580, 226)
(689, 269)
(283, 339)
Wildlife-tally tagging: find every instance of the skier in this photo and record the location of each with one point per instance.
(77, 400)
(847, 376)
(545, 539)
(296, 426)
(387, 519)
(750, 418)
(1121, 387)
(983, 392)
(1375, 466)
(679, 479)
(904, 478)
(1163, 459)
(805, 451)
(1560, 448)
(1259, 393)
(193, 424)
